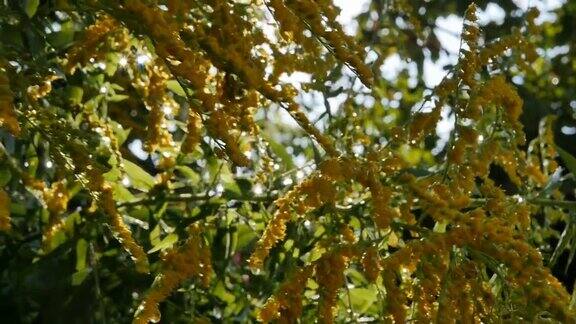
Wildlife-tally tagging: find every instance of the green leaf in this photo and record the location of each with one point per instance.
(245, 236)
(155, 236)
(118, 98)
(315, 254)
(175, 87)
(120, 132)
(70, 223)
(18, 209)
(112, 175)
(79, 276)
(231, 188)
(166, 243)
(139, 178)
(440, 227)
(190, 174)
(563, 242)
(280, 151)
(317, 155)
(568, 159)
(30, 7)
(221, 292)
(74, 95)
(64, 37)
(554, 182)
(81, 251)
(121, 194)
(362, 298)
(5, 176)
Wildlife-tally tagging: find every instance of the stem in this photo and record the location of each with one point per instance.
(540, 202)
(191, 198)
(552, 203)
(94, 265)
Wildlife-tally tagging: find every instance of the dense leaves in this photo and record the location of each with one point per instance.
(241, 161)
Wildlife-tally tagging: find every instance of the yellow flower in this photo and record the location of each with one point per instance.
(192, 259)
(122, 232)
(4, 211)
(8, 118)
(371, 263)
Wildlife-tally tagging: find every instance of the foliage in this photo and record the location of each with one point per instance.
(207, 161)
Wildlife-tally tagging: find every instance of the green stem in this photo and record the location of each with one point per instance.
(191, 198)
(540, 202)
(553, 203)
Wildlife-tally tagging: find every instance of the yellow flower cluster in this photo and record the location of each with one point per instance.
(226, 108)
(182, 61)
(469, 64)
(82, 52)
(319, 18)
(347, 234)
(5, 225)
(41, 90)
(428, 284)
(121, 231)
(293, 33)
(193, 132)
(8, 118)
(424, 123)
(499, 92)
(311, 193)
(541, 289)
(285, 305)
(395, 296)
(541, 153)
(192, 259)
(492, 236)
(466, 72)
(159, 104)
(321, 188)
(228, 68)
(56, 200)
(460, 299)
(371, 263)
(330, 278)
(527, 51)
(275, 231)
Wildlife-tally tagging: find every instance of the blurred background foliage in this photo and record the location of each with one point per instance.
(84, 275)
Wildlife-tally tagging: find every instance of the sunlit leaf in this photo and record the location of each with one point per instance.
(139, 178)
(568, 159)
(30, 7)
(166, 243)
(81, 253)
(175, 87)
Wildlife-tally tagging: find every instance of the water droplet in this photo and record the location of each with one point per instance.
(219, 188)
(123, 61)
(258, 189)
(299, 174)
(142, 59)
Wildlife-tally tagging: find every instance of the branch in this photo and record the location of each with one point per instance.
(540, 202)
(192, 198)
(553, 203)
